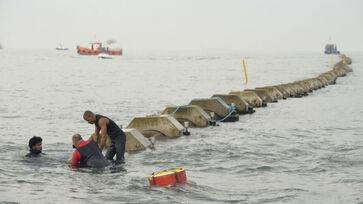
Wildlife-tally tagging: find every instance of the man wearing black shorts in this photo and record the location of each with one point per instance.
(108, 127)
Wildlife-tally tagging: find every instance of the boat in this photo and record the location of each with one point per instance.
(96, 48)
(104, 56)
(60, 47)
(331, 49)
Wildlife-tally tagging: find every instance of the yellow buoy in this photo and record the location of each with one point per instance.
(245, 71)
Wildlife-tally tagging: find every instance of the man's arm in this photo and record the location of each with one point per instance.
(76, 158)
(95, 135)
(103, 125)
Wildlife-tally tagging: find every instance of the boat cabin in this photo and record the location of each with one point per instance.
(95, 46)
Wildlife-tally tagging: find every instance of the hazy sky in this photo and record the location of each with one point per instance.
(280, 25)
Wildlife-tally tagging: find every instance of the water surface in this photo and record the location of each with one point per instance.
(299, 150)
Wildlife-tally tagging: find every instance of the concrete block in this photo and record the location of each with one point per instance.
(250, 97)
(298, 89)
(272, 91)
(284, 90)
(152, 126)
(264, 95)
(194, 114)
(240, 104)
(135, 141)
(216, 105)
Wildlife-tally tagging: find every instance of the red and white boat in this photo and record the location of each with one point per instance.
(96, 48)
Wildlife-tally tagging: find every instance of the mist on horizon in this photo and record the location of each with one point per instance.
(181, 25)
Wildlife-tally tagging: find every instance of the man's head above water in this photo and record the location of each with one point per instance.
(35, 144)
(77, 139)
(89, 117)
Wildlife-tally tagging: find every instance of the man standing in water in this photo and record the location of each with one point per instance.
(87, 153)
(108, 127)
(35, 145)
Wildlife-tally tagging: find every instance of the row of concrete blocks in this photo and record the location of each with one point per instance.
(174, 121)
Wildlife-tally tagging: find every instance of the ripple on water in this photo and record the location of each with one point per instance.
(291, 151)
(11, 116)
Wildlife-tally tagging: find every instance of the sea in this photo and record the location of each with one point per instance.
(299, 150)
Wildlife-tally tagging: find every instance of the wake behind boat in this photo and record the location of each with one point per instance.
(104, 56)
(60, 47)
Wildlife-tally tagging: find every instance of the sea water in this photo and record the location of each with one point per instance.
(299, 150)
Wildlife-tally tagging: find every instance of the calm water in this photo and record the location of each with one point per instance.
(300, 150)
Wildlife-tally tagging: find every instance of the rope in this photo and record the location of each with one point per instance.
(232, 109)
(220, 100)
(178, 109)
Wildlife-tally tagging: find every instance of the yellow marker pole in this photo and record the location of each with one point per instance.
(331, 63)
(244, 68)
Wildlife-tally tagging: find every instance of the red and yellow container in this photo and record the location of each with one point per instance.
(181, 176)
(168, 178)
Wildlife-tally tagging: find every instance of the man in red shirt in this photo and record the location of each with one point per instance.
(87, 154)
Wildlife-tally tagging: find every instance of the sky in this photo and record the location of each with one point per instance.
(254, 25)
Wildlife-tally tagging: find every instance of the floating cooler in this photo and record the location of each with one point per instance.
(168, 178)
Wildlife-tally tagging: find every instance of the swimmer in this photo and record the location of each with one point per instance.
(35, 145)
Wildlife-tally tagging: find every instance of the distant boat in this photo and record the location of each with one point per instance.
(104, 56)
(60, 47)
(331, 49)
(95, 48)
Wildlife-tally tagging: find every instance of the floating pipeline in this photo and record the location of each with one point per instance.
(264, 95)
(166, 125)
(284, 91)
(304, 86)
(223, 112)
(323, 80)
(273, 92)
(159, 125)
(345, 60)
(242, 107)
(315, 83)
(193, 114)
(168, 178)
(300, 92)
(251, 98)
(330, 76)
